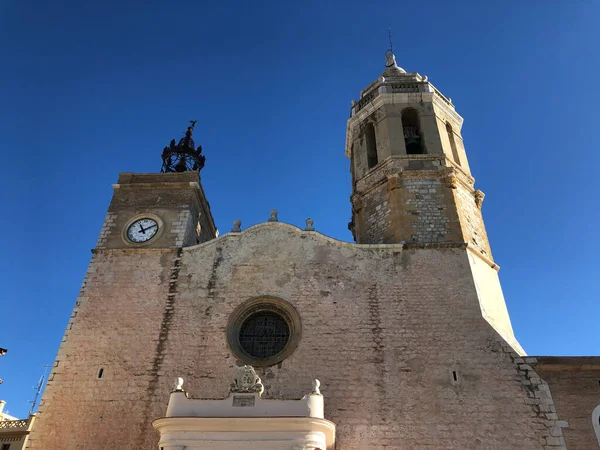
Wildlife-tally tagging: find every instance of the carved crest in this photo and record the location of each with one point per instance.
(246, 380)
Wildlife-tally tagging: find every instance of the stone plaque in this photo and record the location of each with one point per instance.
(241, 400)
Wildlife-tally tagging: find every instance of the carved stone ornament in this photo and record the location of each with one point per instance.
(393, 181)
(357, 204)
(246, 380)
(316, 387)
(479, 196)
(450, 179)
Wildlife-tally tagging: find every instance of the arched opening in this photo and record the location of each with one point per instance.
(596, 422)
(452, 143)
(412, 132)
(372, 159)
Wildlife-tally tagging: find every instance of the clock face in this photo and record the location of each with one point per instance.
(142, 230)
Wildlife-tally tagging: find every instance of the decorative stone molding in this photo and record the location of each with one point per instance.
(396, 164)
(246, 381)
(479, 196)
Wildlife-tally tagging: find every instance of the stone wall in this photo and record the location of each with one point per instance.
(425, 200)
(395, 335)
(406, 199)
(101, 392)
(575, 386)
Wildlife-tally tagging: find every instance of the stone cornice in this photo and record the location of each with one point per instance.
(99, 251)
(166, 185)
(382, 172)
(442, 103)
(485, 259)
(567, 363)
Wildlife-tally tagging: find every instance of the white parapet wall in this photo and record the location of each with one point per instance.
(245, 420)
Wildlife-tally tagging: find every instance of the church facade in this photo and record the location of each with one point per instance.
(401, 340)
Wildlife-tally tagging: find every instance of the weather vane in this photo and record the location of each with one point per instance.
(390, 36)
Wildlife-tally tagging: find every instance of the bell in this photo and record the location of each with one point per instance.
(413, 146)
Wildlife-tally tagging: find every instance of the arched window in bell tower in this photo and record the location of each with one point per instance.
(450, 132)
(372, 159)
(412, 132)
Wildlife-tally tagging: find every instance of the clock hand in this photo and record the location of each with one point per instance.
(151, 226)
(142, 229)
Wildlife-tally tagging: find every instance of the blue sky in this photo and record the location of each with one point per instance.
(88, 90)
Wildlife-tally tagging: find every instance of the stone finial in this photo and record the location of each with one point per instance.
(479, 196)
(390, 59)
(273, 217)
(237, 226)
(309, 225)
(246, 380)
(178, 384)
(316, 385)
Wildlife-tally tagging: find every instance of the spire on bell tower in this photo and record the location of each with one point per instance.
(184, 156)
(390, 59)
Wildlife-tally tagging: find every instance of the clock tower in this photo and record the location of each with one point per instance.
(162, 210)
(111, 356)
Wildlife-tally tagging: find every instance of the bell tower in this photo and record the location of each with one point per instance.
(411, 181)
(410, 175)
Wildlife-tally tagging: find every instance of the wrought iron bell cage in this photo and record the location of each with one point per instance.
(184, 156)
